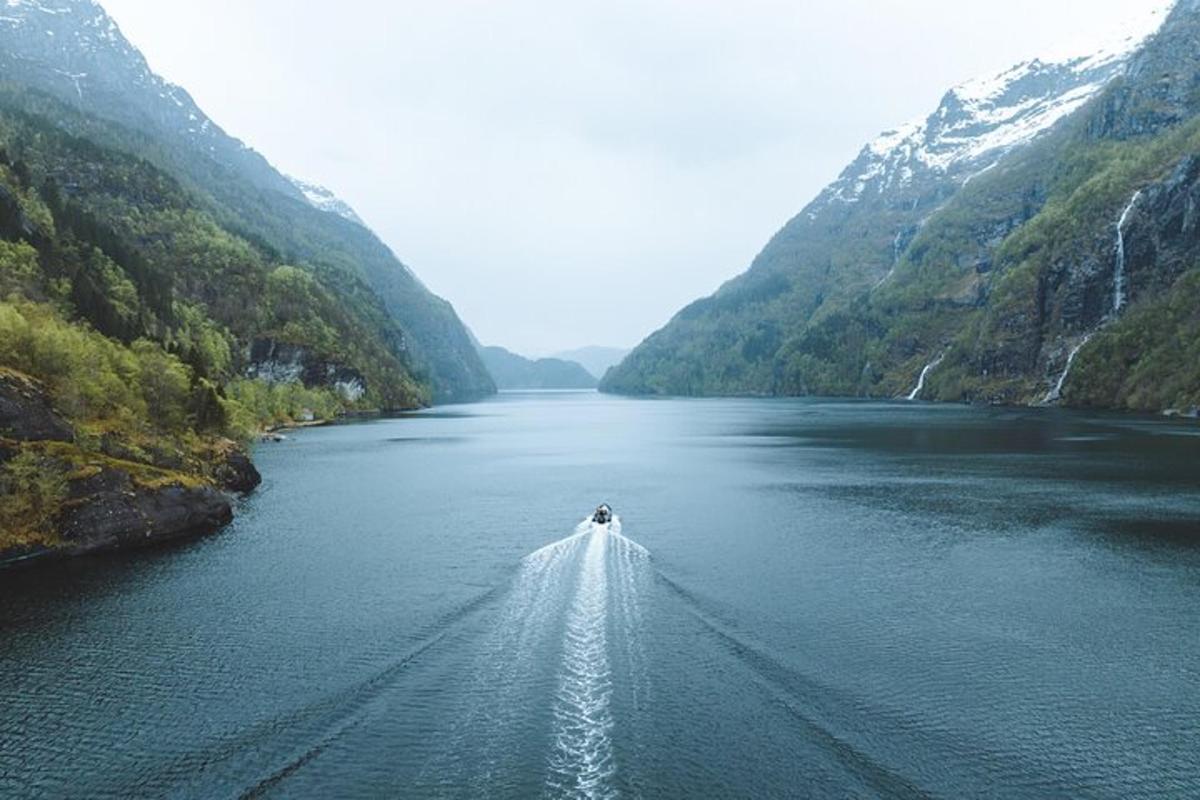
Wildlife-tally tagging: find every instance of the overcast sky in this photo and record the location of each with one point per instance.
(570, 173)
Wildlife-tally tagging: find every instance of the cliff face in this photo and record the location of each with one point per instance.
(993, 248)
(278, 362)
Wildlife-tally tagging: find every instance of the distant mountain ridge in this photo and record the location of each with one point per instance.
(595, 359)
(975, 255)
(512, 371)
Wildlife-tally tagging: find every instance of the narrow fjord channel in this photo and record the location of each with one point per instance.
(798, 598)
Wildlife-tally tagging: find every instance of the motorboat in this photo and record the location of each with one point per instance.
(603, 514)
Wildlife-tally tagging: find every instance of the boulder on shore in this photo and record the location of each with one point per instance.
(235, 472)
(107, 511)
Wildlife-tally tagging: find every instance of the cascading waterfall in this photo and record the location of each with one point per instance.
(1118, 299)
(1119, 273)
(897, 248)
(1054, 394)
(930, 367)
(897, 251)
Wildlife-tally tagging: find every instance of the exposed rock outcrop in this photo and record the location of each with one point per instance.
(109, 503)
(283, 362)
(26, 414)
(235, 471)
(108, 511)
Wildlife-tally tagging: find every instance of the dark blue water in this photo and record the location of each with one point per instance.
(801, 599)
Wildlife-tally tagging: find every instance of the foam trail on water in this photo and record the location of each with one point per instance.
(630, 563)
(582, 761)
(579, 598)
(482, 736)
(550, 551)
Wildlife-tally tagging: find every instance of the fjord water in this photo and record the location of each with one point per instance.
(800, 599)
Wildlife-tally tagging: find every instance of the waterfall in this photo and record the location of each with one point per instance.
(930, 367)
(1119, 273)
(1118, 300)
(897, 247)
(897, 251)
(1054, 394)
(975, 175)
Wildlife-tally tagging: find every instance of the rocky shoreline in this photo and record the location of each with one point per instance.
(109, 503)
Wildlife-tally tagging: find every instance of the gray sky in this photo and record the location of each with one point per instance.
(528, 158)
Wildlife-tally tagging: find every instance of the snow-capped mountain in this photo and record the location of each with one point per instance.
(979, 121)
(324, 199)
(75, 50)
(896, 282)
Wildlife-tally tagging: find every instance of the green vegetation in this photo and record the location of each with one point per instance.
(1149, 360)
(32, 489)
(999, 281)
(113, 241)
(126, 300)
(230, 218)
(258, 404)
(135, 389)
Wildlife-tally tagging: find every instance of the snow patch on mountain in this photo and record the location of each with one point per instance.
(979, 121)
(75, 49)
(321, 198)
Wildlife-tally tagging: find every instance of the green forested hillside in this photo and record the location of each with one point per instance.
(996, 280)
(90, 81)
(165, 293)
(141, 256)
(387, 296)
(129, 315)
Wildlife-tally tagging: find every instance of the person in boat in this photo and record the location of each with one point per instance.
(603, 515)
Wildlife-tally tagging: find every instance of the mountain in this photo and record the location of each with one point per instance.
(595, 360)
(324, 200)
(165, 295)
(512, 371)
(1027, 242)
(73, 52)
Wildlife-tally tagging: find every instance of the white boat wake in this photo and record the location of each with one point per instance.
(568, 639)
(582, 760)
(606, 601)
